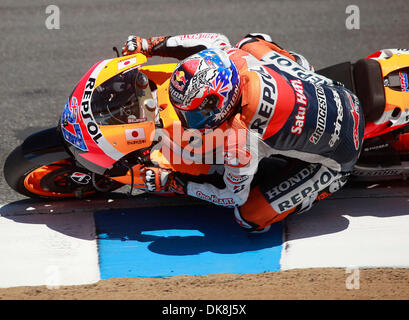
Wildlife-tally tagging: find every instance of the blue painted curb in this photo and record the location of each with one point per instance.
(182, 240)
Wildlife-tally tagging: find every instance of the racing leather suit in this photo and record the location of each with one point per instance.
(287, 110)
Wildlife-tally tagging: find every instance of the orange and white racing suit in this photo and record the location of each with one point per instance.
(288, 111)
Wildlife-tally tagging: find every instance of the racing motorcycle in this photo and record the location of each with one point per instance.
(106, 132)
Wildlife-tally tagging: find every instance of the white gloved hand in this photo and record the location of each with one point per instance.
(155, 178)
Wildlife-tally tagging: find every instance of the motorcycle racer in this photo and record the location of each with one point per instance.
(286, 109)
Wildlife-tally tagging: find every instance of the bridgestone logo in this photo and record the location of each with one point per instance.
(321, 116)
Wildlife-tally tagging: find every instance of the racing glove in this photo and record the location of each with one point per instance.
(136, 44)
(177, 184)
(158, 179)
(155, 179)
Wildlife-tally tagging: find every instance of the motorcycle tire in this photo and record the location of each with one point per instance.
(53, 181)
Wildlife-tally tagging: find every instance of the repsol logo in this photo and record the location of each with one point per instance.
(285, 64)
(294, 199)
(321, 115)
(266, 107)
(86, 112)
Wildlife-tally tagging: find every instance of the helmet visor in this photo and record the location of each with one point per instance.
(201, 117)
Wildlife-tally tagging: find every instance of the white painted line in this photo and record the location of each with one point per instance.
(349, 233)
(48, 249)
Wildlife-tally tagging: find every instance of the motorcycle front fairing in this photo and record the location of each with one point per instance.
(93, 132)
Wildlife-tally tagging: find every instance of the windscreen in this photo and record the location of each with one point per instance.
(119, 99)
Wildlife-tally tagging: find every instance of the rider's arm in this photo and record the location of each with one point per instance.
(258, 44)
(240, 167)
(183, 46)
(235, 193)
(179, 47)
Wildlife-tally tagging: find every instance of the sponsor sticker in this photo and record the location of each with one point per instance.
(126, 63)
(70, 127)
(287, 65)
(321, 115)
(198, 36)
(238, 188)
(135, 134)
(199, 81)
(86, 112)
(80, 178)
(236, 179)
(101, 151)
(179, 80)
(301, 100)
(303, 191)
(213, 198)
(338, 122)
(267, 104)
(222, 114)
(237, 159)
(370, 172)
(292, 182)
(404, 83)
(355, 117)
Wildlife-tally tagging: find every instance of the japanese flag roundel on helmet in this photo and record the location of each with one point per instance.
(204, 89)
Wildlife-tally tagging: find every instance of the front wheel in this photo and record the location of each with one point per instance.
(57, 180)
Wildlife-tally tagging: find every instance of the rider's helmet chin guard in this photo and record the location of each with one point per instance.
(205, 89)
(110, 114)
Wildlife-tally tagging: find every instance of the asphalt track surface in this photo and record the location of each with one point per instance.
(40, 67)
